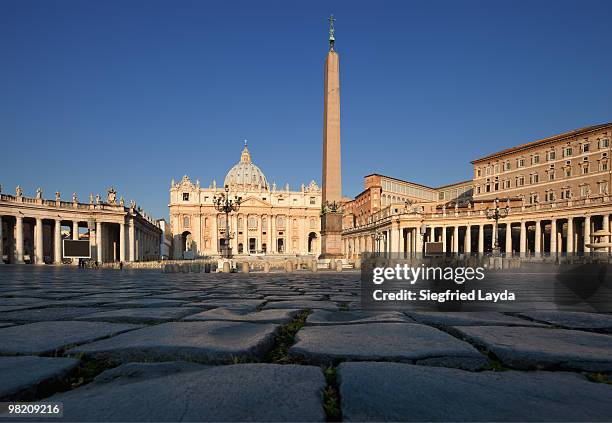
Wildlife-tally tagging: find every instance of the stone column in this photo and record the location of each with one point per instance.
(19, 239)
(99, 242)
(444, 239)
(289, 237)
(468, 239)
(1, 243)
(57, 242)
(481, 238)
(553, 236)
(122, 241)
(75, 230)
(259, 238)
(456, 239)
(38, 245)
(398, 240)
(508, 238)
(587, 233)
(570, 235)
(523, 240)
(132, 239)
(272, 220)
(538, 238)
(606, 228)
(245, 228)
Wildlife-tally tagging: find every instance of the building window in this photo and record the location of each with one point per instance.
(497, 168)
(252, 221)
(603, 187)
(549, 196)
(535, 159)
(604, 143)
(534, 179)
(280, 223)
(520, 163)
(603, 165)
(584, 190)
(585, 147)
(551, 175)
(313, 200)
(585, 169)
(566, 194)
(478, 173)
(520, 181)
(495, 186)
(533, 198)
(185, 196)
(567, 152)
(264, 223)
(551, 155)
(508, 166)
(507, 184)
(186, 221)
(568, 172)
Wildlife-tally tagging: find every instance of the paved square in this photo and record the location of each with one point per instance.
(240, 347)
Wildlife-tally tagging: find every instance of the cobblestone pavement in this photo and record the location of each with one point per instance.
(149, 346)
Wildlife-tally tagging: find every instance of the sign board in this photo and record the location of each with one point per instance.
(76, 248)
(434, 248)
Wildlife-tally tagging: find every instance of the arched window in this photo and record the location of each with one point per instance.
(264, 223)
(206, 222)
(239, 223)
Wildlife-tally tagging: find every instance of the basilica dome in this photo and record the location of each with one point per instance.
(245, 175)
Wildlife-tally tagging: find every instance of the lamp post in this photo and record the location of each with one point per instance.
(224, 204)
(496, 213)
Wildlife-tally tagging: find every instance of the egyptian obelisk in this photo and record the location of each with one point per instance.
(331, 216)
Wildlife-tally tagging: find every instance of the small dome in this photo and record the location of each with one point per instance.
(245, 175)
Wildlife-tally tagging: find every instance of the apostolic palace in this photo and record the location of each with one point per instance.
(556, 191)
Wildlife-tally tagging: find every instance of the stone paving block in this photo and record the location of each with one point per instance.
(324, 305)
(48, 337)
(325, 317)
(527, 347)
(146, 302)
(243, 392)
(205, 342)
(141, 315)
(404, 392)
(573, 320)
(473, 318)
(5, 308)
(21, 376)
(47, 314)
(242, 315)
(406, 342)
(231, 303)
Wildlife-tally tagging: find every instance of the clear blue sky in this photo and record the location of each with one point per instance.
(135, 93)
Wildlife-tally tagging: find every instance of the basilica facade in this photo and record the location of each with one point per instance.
(269, 221)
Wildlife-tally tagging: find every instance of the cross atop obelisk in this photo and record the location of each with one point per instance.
(332, 31)
(331, 216)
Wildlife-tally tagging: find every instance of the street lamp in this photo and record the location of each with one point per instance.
(496, 213)
(224, 204)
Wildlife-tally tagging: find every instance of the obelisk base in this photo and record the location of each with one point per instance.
(331, 236)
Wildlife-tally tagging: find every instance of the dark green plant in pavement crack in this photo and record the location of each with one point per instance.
(331, 396)
(285, 338)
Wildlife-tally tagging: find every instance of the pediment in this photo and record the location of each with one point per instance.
(254, 202)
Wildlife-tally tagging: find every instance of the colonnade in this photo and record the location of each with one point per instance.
(555, 234)
(37, 239)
